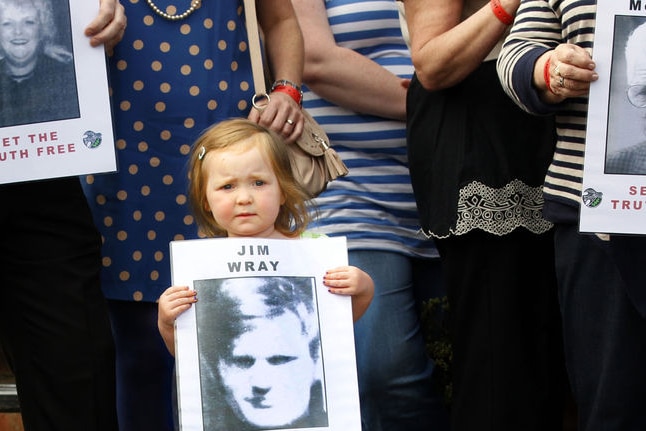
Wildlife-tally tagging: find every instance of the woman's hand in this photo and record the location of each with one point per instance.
(281, 114)
(564, 72)
(108, 27)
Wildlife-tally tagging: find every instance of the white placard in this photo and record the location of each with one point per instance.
(217, 350)
(613, 199)
(77, 140)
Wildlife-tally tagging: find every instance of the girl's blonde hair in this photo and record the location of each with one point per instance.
(293, 216)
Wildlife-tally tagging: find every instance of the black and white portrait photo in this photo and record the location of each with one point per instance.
(266, 346)
(626, 134)
(37, 74)
(259, 346)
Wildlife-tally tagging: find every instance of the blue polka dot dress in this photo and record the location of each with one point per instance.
(169, 81)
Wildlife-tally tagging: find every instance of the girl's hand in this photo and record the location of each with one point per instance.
(350, 280)
(174, 301)
(346, 280)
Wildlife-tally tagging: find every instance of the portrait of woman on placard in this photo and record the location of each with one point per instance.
(259, 353)
(37, 78)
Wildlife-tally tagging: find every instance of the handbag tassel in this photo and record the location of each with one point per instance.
(335, 166)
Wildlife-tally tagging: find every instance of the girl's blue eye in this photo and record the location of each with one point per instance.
(227, 187)
(259, 182)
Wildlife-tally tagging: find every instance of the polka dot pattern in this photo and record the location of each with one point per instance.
(169, 81)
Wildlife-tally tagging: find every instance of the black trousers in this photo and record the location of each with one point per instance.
(54, 324)
(604, 332)
(508, 370)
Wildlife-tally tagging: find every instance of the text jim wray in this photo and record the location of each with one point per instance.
(253, 266)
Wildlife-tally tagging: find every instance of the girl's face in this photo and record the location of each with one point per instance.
(242, 192)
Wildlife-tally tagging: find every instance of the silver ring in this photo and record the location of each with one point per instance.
(260, 101)
(561, 81)
(557, 72)
(290, 122)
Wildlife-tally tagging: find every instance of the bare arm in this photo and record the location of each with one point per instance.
(350, 280)
(284, 46)
(108, 26)
(445, 50)
(344, 76)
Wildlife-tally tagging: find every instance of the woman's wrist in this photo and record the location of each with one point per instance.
(290, 88)
(504, 16)
(542, 80)
(546, 76)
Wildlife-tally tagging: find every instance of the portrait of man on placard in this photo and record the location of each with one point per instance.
(626, 145)
(259, 350)
(37, 74)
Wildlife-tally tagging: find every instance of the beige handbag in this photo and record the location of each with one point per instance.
(314, 162)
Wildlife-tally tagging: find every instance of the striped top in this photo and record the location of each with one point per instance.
(373, 206)
(540, 26)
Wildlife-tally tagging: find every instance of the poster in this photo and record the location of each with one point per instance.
(265, 346)
(55, 117)
(614, 179)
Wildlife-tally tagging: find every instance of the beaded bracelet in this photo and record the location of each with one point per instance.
(502, 15)
(285, 82)
(546, 76)
(289, 88)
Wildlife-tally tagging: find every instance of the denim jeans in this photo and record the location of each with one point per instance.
(395, 373)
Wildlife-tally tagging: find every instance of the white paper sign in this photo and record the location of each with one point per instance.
(57, 122)
(266, 346)
(614, 182)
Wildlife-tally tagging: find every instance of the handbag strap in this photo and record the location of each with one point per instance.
(255, 53)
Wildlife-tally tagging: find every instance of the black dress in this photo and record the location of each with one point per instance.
(476, 160)
(477, 164)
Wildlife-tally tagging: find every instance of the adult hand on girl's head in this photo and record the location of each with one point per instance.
(281, 114)
(108, 26)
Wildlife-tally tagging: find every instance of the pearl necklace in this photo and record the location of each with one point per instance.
(194, 5)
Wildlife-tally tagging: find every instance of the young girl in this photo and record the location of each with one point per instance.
(241, 185)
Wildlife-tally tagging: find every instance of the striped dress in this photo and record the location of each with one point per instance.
(373, 206)
(540, 26)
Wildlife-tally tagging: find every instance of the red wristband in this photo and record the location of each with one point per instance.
(501, 13)
(546, 76)
(290, 91)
